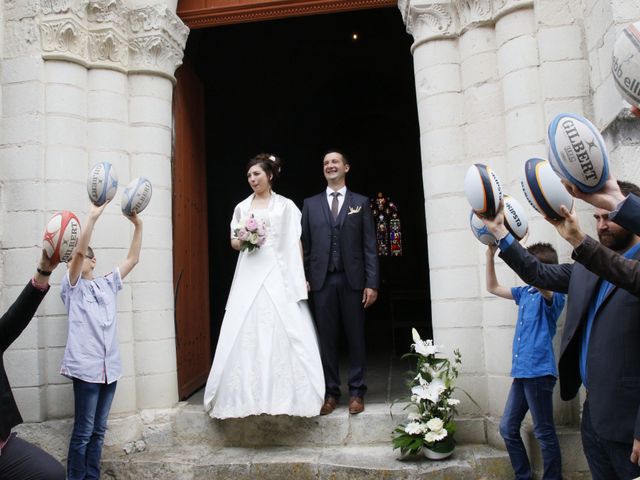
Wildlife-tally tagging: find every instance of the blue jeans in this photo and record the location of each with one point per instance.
(92, 405)
(535, 394)
(607, 459)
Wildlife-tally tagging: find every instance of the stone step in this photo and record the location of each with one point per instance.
(352, 462)
(375, 425)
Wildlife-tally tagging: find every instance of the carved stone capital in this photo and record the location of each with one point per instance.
(106, 34)
(428, 20)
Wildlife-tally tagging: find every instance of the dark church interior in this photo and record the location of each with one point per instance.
(298, 87)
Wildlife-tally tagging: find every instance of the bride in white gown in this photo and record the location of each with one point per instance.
(267, 359)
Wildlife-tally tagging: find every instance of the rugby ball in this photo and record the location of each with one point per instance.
(577, 152)
(61, 236)
(136, 196)
(515, 217)
(102, 183)
(480, 230)
(483, 190)
(543, 189)
(625, 63)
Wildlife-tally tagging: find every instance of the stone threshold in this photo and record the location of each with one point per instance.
(350, 462)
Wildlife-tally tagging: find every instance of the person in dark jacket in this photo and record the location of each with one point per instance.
(599, 347)
(21, 460)
(625, 211)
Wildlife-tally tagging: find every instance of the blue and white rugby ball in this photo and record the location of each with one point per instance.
(543, 189)
(102, 183)
(577, 152)
(625, 63)
(136, 196)
(480, 230)
(515, 219)
(483, 190)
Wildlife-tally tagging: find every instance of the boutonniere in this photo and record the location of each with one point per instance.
(353, 210)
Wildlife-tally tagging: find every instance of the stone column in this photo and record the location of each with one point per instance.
(455, 291)
(109, 73)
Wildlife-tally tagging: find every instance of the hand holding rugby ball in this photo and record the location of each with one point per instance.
(544, 190)
(61, 236)
(577, 152)
(483, 190)
(515, 219)
(102, 183)
(136, 196)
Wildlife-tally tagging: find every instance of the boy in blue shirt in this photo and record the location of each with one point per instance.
(533, 367)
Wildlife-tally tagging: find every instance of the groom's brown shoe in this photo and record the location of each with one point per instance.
(356, 405)
(328, 406)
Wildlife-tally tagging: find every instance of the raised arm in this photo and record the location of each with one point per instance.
(75, 265)
(621, 271)
(528, 267)
(492, 280)
(134, 250)
(20, 313)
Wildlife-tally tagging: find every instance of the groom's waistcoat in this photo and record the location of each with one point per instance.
(335, 257)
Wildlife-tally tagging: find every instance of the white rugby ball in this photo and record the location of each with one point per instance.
(483, 190)
(480, 230)
(515, 217)
(625, 63)
(543, 189)
(577, 152)
(102, 183)
(136, 196)
(61, 236)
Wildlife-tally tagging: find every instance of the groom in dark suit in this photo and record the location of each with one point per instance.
(341, 265)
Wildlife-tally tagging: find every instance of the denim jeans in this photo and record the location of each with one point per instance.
(535, 394)
(607, 459)
(92, 405)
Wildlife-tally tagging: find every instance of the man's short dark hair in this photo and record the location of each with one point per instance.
(338, 151)
(543, 252)
(627, 187)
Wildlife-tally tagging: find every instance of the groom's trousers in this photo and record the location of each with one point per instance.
(337, 308)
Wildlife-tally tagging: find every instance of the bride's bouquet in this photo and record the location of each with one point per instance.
(252, 233)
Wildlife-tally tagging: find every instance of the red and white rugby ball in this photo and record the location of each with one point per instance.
(102, 183)
(61, 236)
(136, 196)
(483, 190)
(625, 63)
(577, 152)
(543, 189)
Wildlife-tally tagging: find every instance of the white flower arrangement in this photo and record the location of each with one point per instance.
(431, 419)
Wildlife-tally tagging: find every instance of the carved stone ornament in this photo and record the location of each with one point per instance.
(429, 20)
(106, 34)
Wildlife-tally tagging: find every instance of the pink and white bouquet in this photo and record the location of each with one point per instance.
(251, 232)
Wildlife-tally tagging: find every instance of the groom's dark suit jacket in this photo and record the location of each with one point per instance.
(613, 359)
(357, 241)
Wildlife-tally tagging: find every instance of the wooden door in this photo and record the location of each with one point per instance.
(190, 234)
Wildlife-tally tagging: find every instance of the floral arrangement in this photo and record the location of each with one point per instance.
(431, 422)
(251, 232)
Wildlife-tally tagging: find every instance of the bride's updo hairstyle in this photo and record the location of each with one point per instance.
(270, 163)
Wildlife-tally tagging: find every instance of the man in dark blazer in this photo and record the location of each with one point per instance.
(20, 459)
(600, 345)
(625, 211)
(341, 266)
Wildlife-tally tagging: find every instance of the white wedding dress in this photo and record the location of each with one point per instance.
(267, 358)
